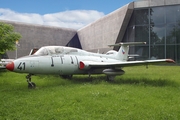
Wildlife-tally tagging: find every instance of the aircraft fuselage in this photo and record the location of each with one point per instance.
(57, 64)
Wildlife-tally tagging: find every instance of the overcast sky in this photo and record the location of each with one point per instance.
(61, 13)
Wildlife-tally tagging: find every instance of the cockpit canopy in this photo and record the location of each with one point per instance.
(50, 50)
(111, 52)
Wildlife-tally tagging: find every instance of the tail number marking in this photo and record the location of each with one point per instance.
(21, 66)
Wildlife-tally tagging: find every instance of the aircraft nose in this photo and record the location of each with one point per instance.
(10, 66)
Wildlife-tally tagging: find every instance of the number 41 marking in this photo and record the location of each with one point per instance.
(21, 66)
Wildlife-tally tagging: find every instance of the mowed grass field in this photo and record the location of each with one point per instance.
(140, 93)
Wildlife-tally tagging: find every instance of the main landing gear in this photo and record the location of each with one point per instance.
(110, 77)
(31, 85)
(67, 76)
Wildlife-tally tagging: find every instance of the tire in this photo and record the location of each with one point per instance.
(110, 78)
(67, 76)
(31, 85)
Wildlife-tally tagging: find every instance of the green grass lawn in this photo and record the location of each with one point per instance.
(140, 93)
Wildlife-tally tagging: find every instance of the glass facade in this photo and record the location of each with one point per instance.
(160, 28)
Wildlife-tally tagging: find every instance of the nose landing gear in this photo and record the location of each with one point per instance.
(31, 85)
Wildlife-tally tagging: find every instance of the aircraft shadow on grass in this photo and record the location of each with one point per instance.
(120, 81)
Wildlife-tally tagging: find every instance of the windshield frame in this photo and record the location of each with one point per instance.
(49, 50)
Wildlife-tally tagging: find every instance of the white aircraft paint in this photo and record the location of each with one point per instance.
(68, 61)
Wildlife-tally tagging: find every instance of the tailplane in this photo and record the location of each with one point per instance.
(122, 54)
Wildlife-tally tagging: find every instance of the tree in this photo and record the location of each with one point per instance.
(8, 37)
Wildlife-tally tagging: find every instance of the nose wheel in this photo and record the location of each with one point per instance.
(31, 85)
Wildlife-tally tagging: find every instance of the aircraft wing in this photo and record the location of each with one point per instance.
(91, 64)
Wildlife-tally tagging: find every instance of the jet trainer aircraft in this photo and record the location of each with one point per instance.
(68, 61)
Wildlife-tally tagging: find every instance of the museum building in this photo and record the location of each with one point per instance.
(156, 22)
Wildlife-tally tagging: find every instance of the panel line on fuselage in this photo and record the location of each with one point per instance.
(72, 62)
(77, 60)
(61, 59)
(52, 65)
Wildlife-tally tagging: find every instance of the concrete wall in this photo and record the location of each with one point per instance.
(36, 36)
(154, 3)
(106, 30)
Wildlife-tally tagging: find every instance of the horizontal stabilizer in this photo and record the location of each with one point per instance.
(133, 55)
(127, 44)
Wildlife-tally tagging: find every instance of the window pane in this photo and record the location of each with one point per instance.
(171, 14)
(178, 54)
(132, 20)
(157, 52)
(170, 34)
(142, 51)
(157, 33)
(141, 17)
(172, 52)
(178, 14)
(178, 33)
(142, 34)
(131, 34)
(157, 15)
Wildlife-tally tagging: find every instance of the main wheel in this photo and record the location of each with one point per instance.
(110, 78)
(67, 76)
(31, 85)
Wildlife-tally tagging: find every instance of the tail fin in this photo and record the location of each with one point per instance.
(124, 49)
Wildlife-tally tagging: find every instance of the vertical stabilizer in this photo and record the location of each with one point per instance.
(122, 54)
